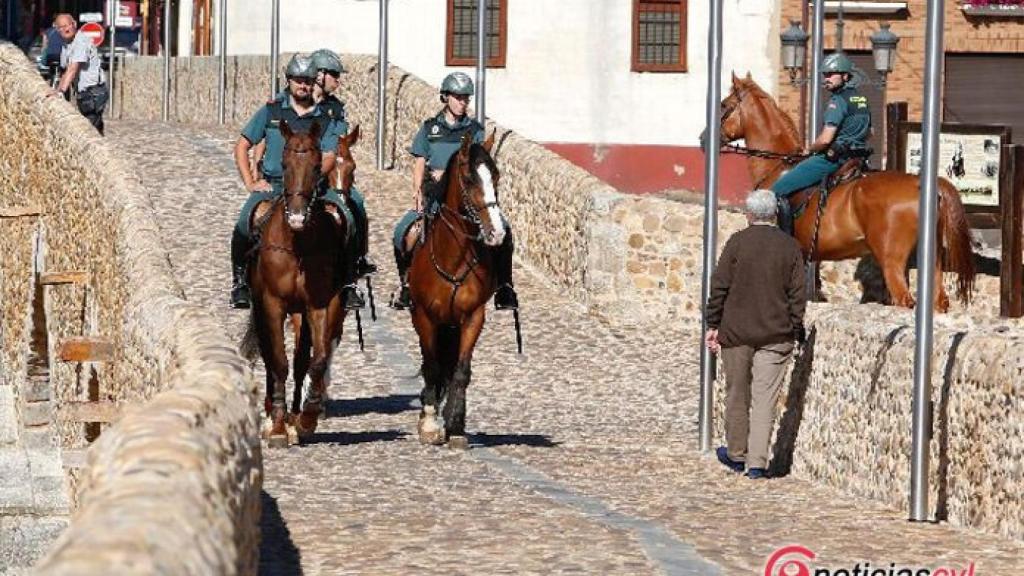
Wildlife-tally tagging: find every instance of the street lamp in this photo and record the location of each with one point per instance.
(883, 49)
(794, 50)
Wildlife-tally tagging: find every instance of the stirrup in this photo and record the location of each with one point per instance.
(401, 300)
(351, 299)
(505, 298)
(241, 298)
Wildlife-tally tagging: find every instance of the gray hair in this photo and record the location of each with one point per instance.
(761, 205)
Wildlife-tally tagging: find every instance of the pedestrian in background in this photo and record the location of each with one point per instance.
(754, 314)
(80, 60)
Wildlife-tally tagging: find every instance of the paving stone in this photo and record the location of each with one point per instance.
(582, 455)
(24, 539)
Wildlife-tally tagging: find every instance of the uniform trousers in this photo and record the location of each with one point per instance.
(753, 384)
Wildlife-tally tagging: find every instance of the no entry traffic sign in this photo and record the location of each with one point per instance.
(94, 30)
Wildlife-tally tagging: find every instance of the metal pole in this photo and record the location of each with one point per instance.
(275, 44)
(814, 80)
(382, 80)
(922, 422)
(481, 59)
(222, 41)
(112, 5)
(713, 110)
(167, 60)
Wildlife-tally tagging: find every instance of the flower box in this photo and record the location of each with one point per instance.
(990, 8)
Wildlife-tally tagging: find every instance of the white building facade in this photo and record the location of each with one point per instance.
(569, 73)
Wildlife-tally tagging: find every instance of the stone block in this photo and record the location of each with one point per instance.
(37, 390)
(36, 413)
(8, 416)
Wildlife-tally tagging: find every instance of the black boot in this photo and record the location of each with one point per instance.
(351, 297)
(364, 265)
(505, 297)
(402, 301)
(240, 295)
(785, 216)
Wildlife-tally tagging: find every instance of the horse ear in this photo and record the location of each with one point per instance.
(489, 142)
(748, 75)
(735, 80)
(467, 141)
(314, 131)
(353, 136)
(286, 130)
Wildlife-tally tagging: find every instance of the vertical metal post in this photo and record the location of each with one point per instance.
(922, 421)
(481, 60)
(222, 42)
(814, 80)
(382, 80)
(167, 60)
(713, 110)
(112, 5)
(275, 44)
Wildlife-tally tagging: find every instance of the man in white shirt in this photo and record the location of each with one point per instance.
(80, 60)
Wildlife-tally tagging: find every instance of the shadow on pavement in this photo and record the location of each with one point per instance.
(394, 404)
(535, 440)
(351, 438)
(278, 554)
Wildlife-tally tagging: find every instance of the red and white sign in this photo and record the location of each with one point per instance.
(94, 31)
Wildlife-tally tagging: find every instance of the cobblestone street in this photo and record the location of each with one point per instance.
(582, 451)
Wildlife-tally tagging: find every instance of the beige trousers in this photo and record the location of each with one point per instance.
(754, 382)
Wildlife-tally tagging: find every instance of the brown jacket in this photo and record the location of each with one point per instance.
(757, 290)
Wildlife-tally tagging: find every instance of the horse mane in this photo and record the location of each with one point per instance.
(755, 90)
(477, 155)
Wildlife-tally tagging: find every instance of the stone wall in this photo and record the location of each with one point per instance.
(173, 487)
(846, 412)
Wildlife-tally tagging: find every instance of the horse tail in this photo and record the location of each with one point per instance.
(249, 347)
(954, 237)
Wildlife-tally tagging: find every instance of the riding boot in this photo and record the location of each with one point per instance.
(505, 298)
(364, 265)
(402, 300)
(240, 295)
(351, 296)
(785, 216)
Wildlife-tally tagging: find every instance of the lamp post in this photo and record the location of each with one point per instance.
(883, 50)
(794, 50)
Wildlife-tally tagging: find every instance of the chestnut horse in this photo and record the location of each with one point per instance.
(451, 278)
(875, 214)
(295, 274)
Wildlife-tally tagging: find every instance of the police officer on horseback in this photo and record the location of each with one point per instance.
(328, 73)
(296, 106)
(845, 135)
(437, 140)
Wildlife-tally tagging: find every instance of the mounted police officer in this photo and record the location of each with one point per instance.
(438, 138)
(845, 135)
(294, 105)
(328, 72)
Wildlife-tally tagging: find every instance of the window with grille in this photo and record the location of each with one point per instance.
(461, 47)
(659, 35)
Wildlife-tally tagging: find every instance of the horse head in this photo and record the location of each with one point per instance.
(344, 173)
(301, 162)
(477, 176)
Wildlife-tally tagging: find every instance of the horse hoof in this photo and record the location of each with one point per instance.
(432, 437)
(305, 426)
(277, 441)
(458, 443)
(293, 435)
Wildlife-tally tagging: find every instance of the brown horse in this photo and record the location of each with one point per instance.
(875, 214)
(295, 274)
(450, 280)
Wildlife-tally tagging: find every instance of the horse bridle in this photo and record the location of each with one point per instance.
(287, 194)
(787, 159)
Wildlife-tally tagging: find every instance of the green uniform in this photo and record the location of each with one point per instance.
(848, 111)
(436, 141)
(265, 125)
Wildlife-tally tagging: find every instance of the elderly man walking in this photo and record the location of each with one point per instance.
(754, 314)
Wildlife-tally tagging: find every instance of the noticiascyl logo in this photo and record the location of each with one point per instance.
(779, 565)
